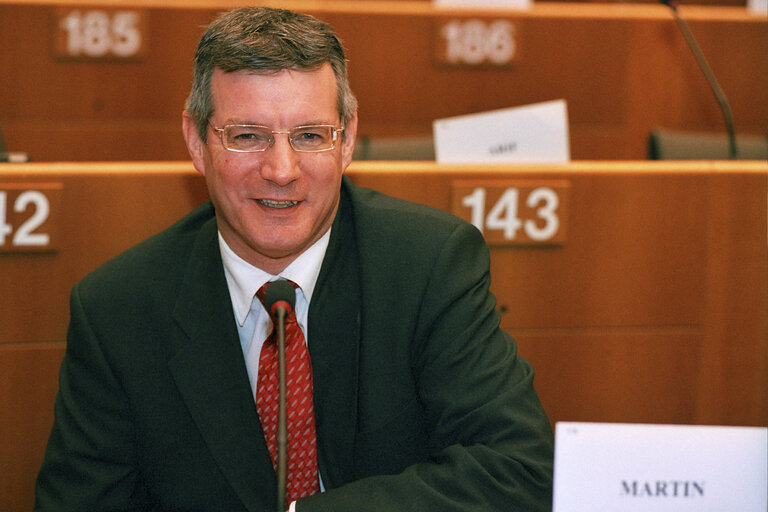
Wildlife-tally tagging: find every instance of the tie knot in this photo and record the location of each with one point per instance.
(262, 292)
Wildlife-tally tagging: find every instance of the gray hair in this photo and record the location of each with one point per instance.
(265, 40)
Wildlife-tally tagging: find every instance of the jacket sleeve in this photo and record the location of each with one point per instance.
(90, 458)
(489, 441)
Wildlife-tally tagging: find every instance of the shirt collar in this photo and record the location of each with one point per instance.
(244, 280)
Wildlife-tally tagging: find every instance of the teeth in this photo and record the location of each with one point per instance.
(277, 204)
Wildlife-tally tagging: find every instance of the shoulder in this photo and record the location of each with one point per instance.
(395, 237)
(159, 260)
(382, 216)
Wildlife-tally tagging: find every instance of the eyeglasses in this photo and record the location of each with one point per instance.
(251, 138)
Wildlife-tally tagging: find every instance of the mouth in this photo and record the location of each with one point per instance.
(269, 203)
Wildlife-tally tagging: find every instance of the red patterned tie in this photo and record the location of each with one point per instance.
(302, 478)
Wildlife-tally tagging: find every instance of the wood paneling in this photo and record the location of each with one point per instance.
(28, 385)
(623, 70)
(655, 309)
(628, 375)
(104, 209)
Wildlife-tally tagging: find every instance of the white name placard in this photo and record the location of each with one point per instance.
(655, 468)
(512, 4)
(535, 133)
(757, 7)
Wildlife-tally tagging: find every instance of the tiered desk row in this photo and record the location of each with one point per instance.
(639, 291)
(107, 81)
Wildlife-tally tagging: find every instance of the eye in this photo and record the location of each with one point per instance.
(248, 137)
(246, 133)
(311, 136)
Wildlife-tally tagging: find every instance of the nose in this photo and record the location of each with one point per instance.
(280, 163)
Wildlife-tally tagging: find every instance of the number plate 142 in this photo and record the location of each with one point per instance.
(29, 216)
(518, 212)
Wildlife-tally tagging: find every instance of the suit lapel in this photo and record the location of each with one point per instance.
(210, 373)
(334, 332)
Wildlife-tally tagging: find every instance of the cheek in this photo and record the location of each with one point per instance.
(327, 184)
(222, 161)
(229, 173)
(328, 172)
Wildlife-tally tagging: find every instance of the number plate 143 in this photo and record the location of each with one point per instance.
(514, 212)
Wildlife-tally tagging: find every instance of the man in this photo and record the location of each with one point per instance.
(418, 399)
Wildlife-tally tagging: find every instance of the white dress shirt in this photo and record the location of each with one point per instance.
(244, 280)
(253, 321)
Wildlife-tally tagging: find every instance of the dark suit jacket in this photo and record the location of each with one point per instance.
(421, 400)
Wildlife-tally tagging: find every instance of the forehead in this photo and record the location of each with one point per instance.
(285, 96)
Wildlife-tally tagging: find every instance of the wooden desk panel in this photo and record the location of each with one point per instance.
(28, 386)
(623, 69)
(655, 309)
(649, 248)
(105, 209)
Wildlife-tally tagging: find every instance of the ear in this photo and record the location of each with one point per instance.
(195, 144)
(348, 146)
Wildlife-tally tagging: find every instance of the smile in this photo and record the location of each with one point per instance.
(277, 204)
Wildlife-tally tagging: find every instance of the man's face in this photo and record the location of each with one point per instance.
(272, 205)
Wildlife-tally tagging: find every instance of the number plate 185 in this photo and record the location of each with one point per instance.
(516, 212)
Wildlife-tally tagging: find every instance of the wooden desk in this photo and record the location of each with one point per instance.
(653, 309)
(623, 69)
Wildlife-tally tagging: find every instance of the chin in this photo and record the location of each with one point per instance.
(280, 248)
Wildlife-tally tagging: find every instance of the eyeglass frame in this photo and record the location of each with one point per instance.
(220, 131)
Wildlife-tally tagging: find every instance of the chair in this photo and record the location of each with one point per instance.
(10, 156)
(394, 148)
(682, 145)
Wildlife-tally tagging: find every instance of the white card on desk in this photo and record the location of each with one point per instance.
(758, 7)
(653, 468)
(513, 4)
(535, 133)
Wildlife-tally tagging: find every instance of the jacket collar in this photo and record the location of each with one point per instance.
(210, 374)
(334, 337)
